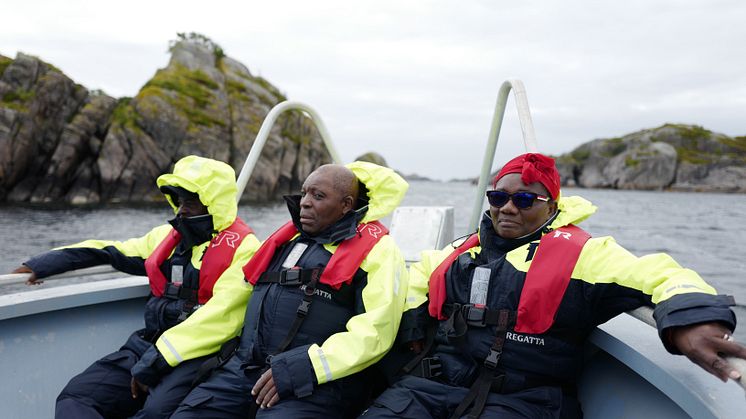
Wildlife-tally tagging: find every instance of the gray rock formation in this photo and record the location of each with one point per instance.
(676, 157)
(60, 143)
(373, 157)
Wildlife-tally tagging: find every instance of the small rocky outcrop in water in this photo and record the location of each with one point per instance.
(373, 157)
(60, 142)
(677, 157)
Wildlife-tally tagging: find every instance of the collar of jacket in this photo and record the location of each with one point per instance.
(343, 229)
(495, 246)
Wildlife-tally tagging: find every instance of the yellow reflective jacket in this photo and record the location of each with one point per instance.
(606, 281)
(602, 261)
(215, 184)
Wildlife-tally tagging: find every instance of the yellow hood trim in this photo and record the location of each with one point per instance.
(214, 182)
(386, 188)
(573, 210)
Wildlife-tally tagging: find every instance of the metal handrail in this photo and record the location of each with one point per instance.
(529, 139)
(266, 128)
(20, 278)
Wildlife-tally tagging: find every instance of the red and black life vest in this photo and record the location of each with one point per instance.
(217, 259)
(546, 280)
(341, 267)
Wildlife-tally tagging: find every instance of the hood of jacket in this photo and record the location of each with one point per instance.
(213, 181)
(386, 188)
(572, 210)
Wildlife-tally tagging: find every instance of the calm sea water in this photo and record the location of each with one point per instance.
(700, 230)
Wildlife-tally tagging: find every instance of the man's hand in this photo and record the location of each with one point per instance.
(706, 344)
(32, 280)
(264, 391)
(137, 388)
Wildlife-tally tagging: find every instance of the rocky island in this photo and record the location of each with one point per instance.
(670, 157)
(62, 143)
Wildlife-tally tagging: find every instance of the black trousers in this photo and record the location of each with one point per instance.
(103, 389)
(415, 397)
(227, 395)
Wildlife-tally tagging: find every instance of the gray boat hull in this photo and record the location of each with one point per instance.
(48, 336)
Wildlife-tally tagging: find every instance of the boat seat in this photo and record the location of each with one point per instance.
(421, 228)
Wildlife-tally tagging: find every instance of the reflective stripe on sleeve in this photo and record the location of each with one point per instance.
(325, 364)
(172, 349)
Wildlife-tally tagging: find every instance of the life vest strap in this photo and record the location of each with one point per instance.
(428, 367)
(487, 379)
(472, 315)
(180, 292)
(288, 277)
(302, 311)
(216, 361)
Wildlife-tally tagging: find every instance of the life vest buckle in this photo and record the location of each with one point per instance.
(431, 367)
(474, 316)
(303, 308)
(492, 359)
(290, 277)
(172, 291)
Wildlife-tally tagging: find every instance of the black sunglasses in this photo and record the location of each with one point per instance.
(522, 200)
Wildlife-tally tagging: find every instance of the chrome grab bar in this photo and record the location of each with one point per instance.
(265, 130)
(529, 139)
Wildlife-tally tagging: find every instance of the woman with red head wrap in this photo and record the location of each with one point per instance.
(514, 303)
(533, 167)
(517, 202)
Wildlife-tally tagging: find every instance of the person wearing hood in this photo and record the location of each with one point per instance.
(508, 310)
(328, 290)
(193, 261)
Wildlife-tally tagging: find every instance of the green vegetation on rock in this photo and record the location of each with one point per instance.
(124, 114)
(614, 147)
(580, 155)
(691, 132)
(739, 143)
(694, 146)
(194, 84)
(292, 129)
(4, 63)
(17, 99)
(631, 162)
(199, 39)
(19, 95)
(688, 155)
(270, 88)
(237, 90)
(192, 91)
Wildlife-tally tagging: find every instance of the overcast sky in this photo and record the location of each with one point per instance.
(417, 80)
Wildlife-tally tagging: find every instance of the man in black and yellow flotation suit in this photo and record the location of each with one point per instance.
(511, 307)
(194, 267)
(328, 290)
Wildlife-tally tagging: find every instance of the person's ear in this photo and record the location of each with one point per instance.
(552, 207)
(348, 204)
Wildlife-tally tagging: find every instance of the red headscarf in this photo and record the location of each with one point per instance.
(533, 167)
